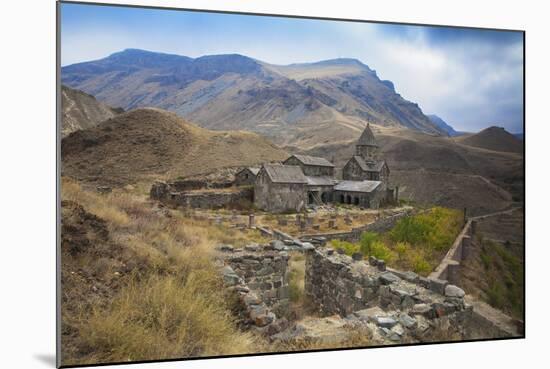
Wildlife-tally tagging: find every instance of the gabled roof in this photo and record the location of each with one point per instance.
(279, 173)
(357, 186)
(320, 181)
(254, 170)
(312, 160)
(370, 165)
(367, 138)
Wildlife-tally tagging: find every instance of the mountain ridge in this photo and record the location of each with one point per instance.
(443, 125)
(81, 111)
(233, 91)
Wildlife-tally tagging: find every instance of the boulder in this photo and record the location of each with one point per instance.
(278, 245)
(385, 321)
(453, 291)
(388, 278)
(407, 321)
(438, 285)
(421, 309)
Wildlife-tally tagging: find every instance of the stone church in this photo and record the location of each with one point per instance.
(302, 181)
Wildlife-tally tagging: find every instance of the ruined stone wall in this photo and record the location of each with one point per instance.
(338, 284)
(264, 271)
(207, 199)
(379, 226)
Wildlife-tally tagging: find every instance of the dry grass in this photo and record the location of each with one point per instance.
(296, 280)
(148, 291)
(321, 218)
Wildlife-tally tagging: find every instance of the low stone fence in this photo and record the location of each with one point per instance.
(207, 199)
(337, 284)
(379, 226)
(449, 268)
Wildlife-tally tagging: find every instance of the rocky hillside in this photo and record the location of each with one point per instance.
(238, 92)
(495, 139)
(443, 125)
(82, 111)
(144, 144)
(440, 170)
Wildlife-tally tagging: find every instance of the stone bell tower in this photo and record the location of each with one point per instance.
(366, 147)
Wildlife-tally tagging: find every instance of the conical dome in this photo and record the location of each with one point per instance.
(367, 138)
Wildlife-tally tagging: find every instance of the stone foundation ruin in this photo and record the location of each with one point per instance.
(391, 305)
(204, 198)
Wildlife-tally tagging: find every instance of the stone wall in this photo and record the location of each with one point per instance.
(263, 270)
(449, 268)
(380, 225)
(337, 284)
(200, 199)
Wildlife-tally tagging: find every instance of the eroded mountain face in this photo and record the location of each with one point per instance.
(238, 92)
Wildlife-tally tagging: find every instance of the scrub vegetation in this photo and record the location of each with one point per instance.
(416, 243)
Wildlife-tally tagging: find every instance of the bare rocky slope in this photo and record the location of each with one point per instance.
(495, 139)
(82, 111)
(440, 170)
(148, 143)
(332, 98)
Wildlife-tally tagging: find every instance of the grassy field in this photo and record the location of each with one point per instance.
(139, 282)
(415, 243)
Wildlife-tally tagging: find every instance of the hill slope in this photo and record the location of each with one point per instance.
(494, 138)
(82, 111)
(238, 92)
(443, 125)
(440, 170)
(145, 143)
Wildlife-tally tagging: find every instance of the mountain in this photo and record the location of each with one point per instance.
(519, 136)
(149, 143)
(443, 125)
(440, 170)
(495, 139)
(82, 111)
(237, 92)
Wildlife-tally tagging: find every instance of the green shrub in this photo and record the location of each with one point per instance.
(367, 239)
(420, 265)
(380, 251)
(435, 229)
(348, 247)
(402, 249)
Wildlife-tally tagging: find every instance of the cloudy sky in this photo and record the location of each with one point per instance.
(471, 78)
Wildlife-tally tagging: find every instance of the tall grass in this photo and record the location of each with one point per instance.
(169, 300)
(162, 317)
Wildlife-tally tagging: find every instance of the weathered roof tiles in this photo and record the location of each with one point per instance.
(357, 186)
(312, 160)
(279, 173)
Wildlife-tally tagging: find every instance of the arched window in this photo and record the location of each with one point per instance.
(356, 200)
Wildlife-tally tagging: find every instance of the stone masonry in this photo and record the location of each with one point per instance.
(338, 284)
(258, 273)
